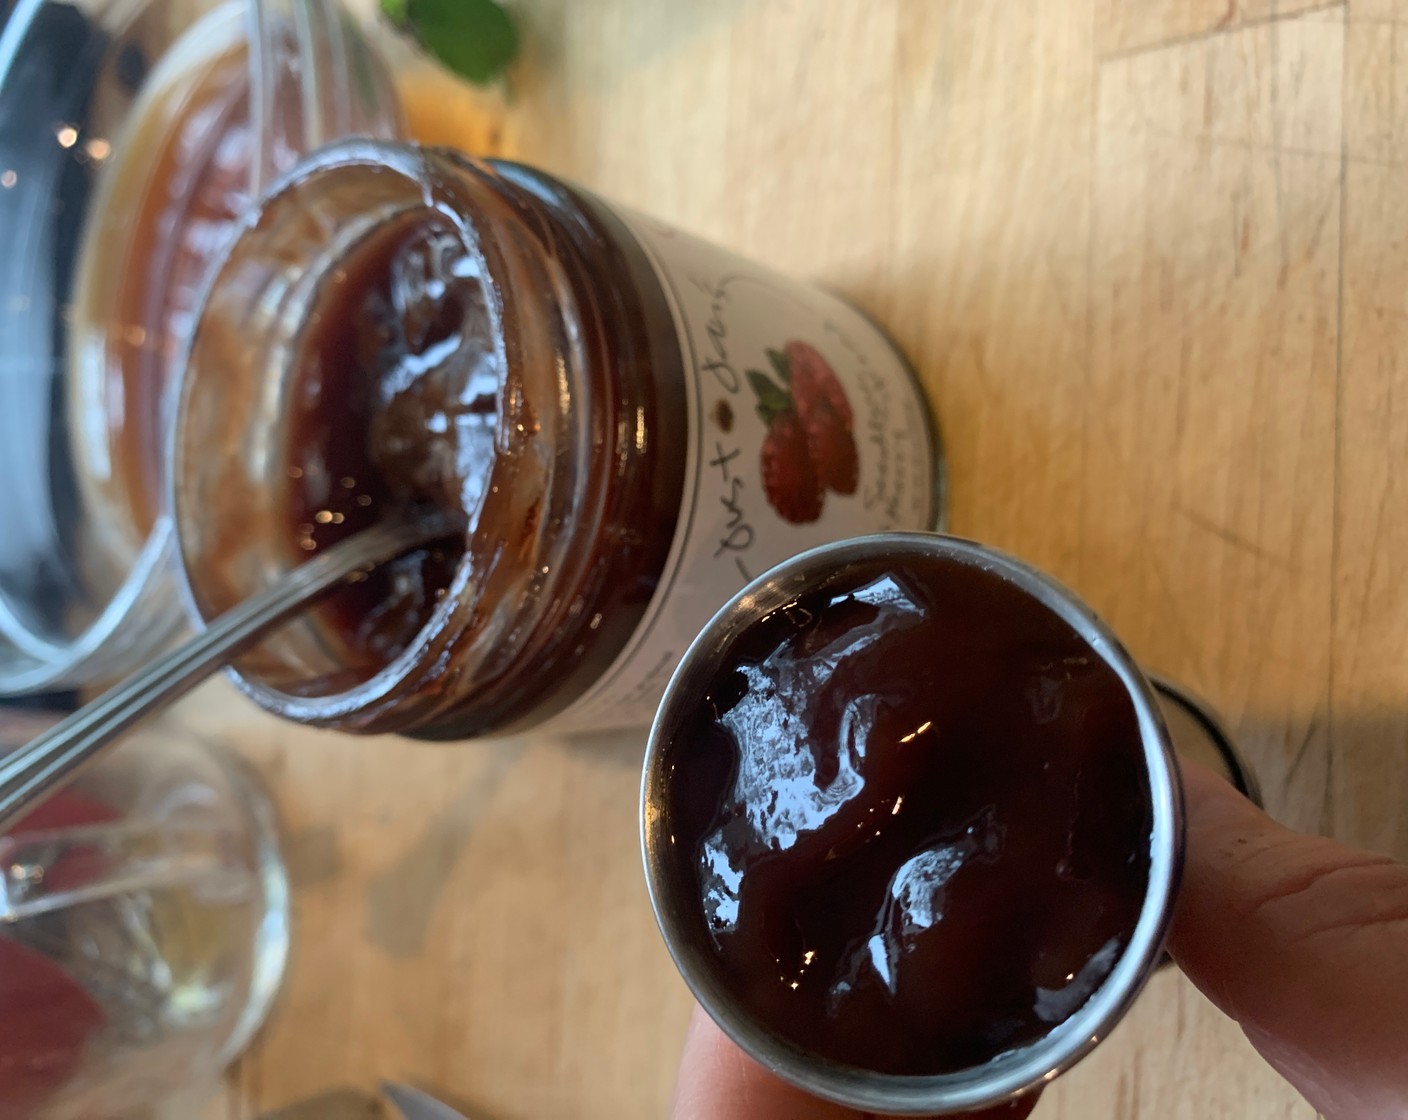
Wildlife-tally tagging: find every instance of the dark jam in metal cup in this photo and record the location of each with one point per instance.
(901, 818)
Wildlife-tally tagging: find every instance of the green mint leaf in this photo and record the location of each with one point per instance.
(474, 38)
(772, 401)
(782, 365)
(395, 11)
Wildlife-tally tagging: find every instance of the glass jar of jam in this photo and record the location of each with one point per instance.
(626, 424)
(912, 824)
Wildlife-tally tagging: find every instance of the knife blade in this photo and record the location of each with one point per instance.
(416, 1105)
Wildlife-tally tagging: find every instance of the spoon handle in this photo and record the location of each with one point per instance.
(48, 762)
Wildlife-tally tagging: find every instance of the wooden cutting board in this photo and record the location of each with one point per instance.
(1151, 259)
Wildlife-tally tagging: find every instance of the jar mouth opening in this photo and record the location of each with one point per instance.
(311, 677)
(347, 706)
(1007, 1074)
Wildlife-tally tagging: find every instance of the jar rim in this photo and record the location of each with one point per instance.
(401, 693)
(366, 696)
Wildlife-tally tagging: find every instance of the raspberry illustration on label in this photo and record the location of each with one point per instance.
(809, 447)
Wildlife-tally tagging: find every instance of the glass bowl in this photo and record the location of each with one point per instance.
(132, 134)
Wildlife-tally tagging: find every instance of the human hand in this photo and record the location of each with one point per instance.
(1302, 940)
(719, 1082)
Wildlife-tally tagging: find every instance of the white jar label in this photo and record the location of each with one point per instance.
(805, 427)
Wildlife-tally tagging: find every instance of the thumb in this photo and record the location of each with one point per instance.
(1304, 942)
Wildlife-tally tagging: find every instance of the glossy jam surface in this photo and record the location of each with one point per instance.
(395, 405)
(911, 816)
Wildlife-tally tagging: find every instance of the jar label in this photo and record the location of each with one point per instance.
(806, 426)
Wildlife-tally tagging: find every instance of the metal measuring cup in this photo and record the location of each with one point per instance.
(1171, 723)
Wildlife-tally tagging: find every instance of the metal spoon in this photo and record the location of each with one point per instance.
(43, 765)
(416, 1105)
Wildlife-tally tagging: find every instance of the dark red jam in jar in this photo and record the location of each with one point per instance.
(627, 423)
(901, 818)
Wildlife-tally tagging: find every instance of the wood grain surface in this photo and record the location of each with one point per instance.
(1151, 260)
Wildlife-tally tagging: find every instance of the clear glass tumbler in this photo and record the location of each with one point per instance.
(133, 135)
(143, 932)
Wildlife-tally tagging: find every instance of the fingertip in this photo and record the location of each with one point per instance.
(718, 1081)
(1302, 940)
